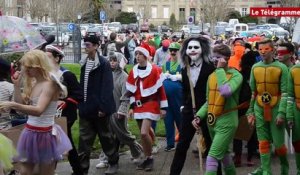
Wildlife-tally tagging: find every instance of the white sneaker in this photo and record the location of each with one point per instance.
(103, 161)
(138, 160)
(155, 149)
(102, 164)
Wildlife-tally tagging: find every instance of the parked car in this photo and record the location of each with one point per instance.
(240, 27)
(185, 28)
(145, 28)
(132, 27)
(195, 30)
(115, 27)
(282, 34)
(124, 28)
(251, 26)
(46, 30)
(165, 28)
(94, 31)
(271, 27)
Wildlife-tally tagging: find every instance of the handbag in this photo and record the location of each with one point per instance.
(244, 131)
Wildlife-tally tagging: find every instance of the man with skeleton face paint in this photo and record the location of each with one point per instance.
(194, 53)
(268, 82)
(221, 111)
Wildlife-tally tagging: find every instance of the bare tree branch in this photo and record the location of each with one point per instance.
(68, 10)
(212, 11)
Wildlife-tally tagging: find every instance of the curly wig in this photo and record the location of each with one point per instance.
(205, 47)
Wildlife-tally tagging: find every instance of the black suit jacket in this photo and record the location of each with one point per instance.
(199, 89)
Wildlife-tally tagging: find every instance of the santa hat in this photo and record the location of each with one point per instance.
(144, 48)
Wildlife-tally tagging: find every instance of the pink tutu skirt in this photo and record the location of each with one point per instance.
(42, 146)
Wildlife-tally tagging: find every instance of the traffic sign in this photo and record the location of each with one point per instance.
(190, 20)
(102, 15)
(71, 27)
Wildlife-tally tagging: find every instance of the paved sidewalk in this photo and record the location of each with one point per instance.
(162, 162)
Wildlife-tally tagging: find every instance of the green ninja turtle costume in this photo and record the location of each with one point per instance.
(223, 88)
(293, 109)
(268, 84)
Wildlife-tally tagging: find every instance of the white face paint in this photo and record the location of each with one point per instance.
(194, 50)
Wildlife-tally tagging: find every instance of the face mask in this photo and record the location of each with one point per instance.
(265, 51)
(194, 50)
(239, 51)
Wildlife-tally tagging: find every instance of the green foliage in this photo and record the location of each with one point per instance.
(242, 19)
(97, 5)
(164, 23)
(12, 57)
(152, 26)
(126, 17)
(248, 19)
(233, 15)
(173, 22)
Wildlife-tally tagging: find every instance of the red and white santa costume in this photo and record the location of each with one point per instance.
(147, 92)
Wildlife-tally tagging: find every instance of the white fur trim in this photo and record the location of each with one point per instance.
(130, 87)
(142, 73)
(153, 89)
(143, 50)
(131, 100)
(163, 103)
(146, 115)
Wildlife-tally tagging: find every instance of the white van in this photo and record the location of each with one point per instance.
(296, 34)
(241, 27)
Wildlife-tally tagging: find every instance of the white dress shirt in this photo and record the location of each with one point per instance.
(195, 70)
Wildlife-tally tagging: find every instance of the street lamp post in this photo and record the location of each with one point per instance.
(138, 21)
(78, 39)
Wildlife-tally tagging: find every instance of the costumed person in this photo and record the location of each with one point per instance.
(293, 111)
(238, 52)
(195, 53)
(247, 61)
(173, 88)
(268, 82)
(7, 150)
(118, 121)
(69, 104)
(41, 142)
(221, 110)
(162, 54)
(285, 54)
(148, 101)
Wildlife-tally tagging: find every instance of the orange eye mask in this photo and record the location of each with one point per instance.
(265, 49)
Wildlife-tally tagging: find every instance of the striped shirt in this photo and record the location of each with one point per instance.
(6, 93)
(89, 66)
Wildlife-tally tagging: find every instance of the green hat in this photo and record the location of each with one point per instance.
(174, 45)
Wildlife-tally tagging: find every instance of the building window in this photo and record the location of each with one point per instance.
(244, 12)
(129, 9)
(166, 12)
(153, 12)
(193, 12)
(182, 15)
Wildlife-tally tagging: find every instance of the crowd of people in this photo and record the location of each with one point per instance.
(194, 84)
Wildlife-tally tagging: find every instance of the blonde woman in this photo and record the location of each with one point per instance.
(41, 143)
